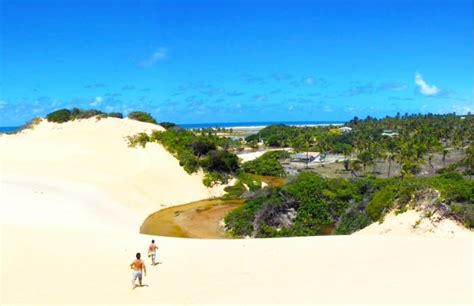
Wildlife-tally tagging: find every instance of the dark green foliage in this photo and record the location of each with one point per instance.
(275, 135)
(245, 184)
(115, 115)
(220, 161)
(318, 203)
(397, 190)
(77, 113)
(258, 214)
(235, 191)
(269, 167)
(64, 115)
(352, 221)
(268, 164)
(167, 125)
(464, 213)
(416, 137)
(195, 151)
(453, 187)
(59, 116)
(142, 116)
(347, 205)
(201, 147)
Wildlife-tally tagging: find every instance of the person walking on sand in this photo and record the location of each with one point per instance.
(138, 267)
(152, 252)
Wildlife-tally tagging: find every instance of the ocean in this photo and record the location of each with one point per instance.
(256, 124)
(9, 129)
(249, 125)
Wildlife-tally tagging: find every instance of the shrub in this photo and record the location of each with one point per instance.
(115, 115)
(31, 124)
(202, 147)
(268, 164)
(220, 161)
(85, 114)
(212, 178)
(142, 116)
(268, 167)
(138, 139)
(167, 125)
(235, 191)
(59, 116)
(352, 221)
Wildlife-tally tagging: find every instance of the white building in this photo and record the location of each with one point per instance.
(345, 129)
(389, 133)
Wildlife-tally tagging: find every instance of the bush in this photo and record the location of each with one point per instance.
(211, 178)
(268, 164)
(115, 115)
(64, 115)
(235, 191)
(138, 139)
(167, 125)
(397, 192)
(352, 221)
(59, 116)
(31, 124)
(220, 161)
(142, 116)
(202, 147)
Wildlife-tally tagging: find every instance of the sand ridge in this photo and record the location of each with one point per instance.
(96, 152)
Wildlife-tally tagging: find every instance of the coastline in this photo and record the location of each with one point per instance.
(233, 125)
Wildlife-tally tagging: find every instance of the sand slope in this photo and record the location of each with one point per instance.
(70, 201)
(45, 266)
(96, 152)
(413, 222)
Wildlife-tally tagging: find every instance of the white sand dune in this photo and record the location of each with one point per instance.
(248, 156)
(413, 222)
(72, 196)
(96, 152)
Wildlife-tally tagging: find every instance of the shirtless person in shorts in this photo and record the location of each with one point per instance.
(152, 252)
(138, 267)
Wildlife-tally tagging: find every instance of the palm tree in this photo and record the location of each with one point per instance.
(391, 158)
(445, 154)
(469, 160)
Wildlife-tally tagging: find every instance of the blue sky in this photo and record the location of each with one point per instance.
(220, 61)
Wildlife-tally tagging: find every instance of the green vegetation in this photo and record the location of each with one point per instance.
(167, 125)
(142, 116)
(246, 184)
(310, 204)
(414, 140)
(65, 115)
(268, 164)
(195, 152)
(59, 116)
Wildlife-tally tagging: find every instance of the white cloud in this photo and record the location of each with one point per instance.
(309, 81)
(462, 109)
(425, 88)
(260, 98)
(96, 101)
(327, 109)
(158, 55)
